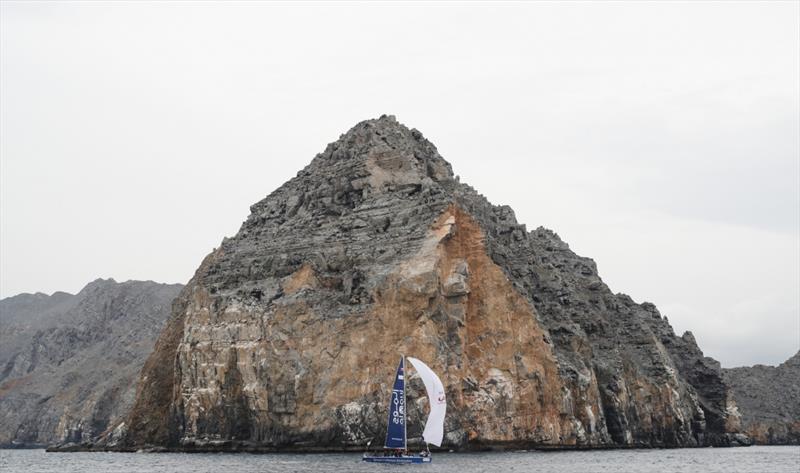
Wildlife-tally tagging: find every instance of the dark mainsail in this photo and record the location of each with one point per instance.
(396, 430)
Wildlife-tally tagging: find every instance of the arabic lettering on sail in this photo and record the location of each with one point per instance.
(399, 411)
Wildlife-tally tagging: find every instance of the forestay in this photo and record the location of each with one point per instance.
(434, 428)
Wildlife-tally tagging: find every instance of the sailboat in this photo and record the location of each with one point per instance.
(396, 446)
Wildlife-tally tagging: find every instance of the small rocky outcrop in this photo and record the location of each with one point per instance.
(288, 334)
(69, 363)
(769, 400)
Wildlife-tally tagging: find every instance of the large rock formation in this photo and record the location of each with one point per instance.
(69, 363)
(769, 399)
(289, 332)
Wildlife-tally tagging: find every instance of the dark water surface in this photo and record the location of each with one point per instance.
(698, 460)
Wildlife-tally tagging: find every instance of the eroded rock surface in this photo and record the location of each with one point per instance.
(288, 334)
(769, 400)
(69, 363)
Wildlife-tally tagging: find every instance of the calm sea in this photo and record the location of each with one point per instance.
(700, 460)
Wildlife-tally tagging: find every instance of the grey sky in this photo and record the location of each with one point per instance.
(660, 139)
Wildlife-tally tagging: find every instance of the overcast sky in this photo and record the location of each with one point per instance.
(660, 139)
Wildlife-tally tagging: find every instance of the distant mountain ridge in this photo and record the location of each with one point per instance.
(769, 400)
(68, 363)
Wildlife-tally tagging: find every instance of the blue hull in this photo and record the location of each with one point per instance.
(408, 459)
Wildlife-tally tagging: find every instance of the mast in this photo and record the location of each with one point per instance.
(405, 407)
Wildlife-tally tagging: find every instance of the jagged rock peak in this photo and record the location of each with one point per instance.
(98, 284)
(391, 145)
(373, 158)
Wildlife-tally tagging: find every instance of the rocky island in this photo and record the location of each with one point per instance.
(288, 334)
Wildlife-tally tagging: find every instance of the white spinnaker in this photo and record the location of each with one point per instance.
(434, 428)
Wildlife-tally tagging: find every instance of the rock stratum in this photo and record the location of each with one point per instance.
(769, 398)
(288, 334)
(69, 363)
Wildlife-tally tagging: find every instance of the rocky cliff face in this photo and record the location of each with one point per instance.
(289, 332)
(769, 398)
(69, 363)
